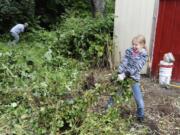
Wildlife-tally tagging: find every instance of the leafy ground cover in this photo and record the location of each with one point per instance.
(33, 89)
(42, 93)
(45, 91)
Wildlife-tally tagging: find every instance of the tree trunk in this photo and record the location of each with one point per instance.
(98, 7)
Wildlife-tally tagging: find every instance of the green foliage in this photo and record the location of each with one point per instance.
(41, 90)
(47, 12)
(37, 96)
(72, 5)
(123, 88)
(41, 93)
(85, 38)
(12, 12)
(42, 12)
(40, 35)
(110, 6)
(108, 124)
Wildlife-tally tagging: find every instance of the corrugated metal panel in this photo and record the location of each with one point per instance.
(167, 36)
(133, 17)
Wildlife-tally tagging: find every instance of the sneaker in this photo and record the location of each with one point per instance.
(140, 119)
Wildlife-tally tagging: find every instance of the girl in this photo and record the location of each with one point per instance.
(134, 60)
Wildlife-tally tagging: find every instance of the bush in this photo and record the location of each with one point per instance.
(85, 38)
(12, 12)
(42, 12)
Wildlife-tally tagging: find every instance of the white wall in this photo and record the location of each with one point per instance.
(133, 17)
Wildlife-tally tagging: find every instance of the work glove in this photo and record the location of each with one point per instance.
(121, 77)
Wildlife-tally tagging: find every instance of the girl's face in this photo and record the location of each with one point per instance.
(137, 46)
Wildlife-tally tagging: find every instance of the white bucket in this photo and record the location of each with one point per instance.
(165, 72)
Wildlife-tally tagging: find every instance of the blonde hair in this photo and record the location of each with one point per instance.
(140, 39)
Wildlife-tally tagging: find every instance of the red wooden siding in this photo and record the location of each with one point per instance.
(168, 35)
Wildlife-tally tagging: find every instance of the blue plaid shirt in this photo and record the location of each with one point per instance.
(133, 63)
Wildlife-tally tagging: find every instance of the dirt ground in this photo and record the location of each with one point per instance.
(162, 106)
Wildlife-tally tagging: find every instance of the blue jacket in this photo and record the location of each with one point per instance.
(133, 63)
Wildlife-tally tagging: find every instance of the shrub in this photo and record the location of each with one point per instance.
(85, 38)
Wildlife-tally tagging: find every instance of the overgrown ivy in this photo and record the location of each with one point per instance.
(41, 82)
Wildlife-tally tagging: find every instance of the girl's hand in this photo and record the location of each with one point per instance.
(121, 77)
